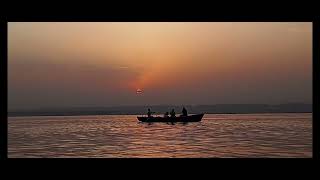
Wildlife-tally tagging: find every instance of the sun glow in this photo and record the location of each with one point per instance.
(139, 91)
(164, 62)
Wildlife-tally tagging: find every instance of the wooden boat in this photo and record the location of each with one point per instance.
(191, 118)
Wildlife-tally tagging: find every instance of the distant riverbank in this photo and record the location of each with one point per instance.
(160, 109)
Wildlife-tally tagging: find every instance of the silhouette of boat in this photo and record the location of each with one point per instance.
(191, 118)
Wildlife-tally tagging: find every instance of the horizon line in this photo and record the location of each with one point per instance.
(119, 106)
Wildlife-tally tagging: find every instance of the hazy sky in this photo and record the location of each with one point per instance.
(103, 64)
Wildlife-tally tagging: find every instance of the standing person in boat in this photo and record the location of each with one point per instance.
(184, 112)
(172, 113)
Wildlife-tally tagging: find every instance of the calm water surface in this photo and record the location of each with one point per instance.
(224, 135)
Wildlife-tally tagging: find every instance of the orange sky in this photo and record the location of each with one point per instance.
(179, 63)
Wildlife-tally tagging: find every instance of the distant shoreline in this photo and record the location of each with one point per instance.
(161, 109)
(145, 114)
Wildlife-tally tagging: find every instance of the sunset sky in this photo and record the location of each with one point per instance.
(103, 64)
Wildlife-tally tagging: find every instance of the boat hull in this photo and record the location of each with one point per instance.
(191, 118)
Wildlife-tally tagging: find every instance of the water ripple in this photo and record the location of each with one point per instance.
(223, 135)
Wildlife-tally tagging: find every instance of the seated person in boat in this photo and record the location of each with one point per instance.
(184, 112)
(172, 113)
(149, 112)
(166, 114)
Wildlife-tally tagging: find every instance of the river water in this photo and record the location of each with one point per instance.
(109, 136)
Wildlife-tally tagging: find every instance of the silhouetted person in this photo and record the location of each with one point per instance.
(184, 112)
(172, 113)
(149, 112)
(166, 114)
